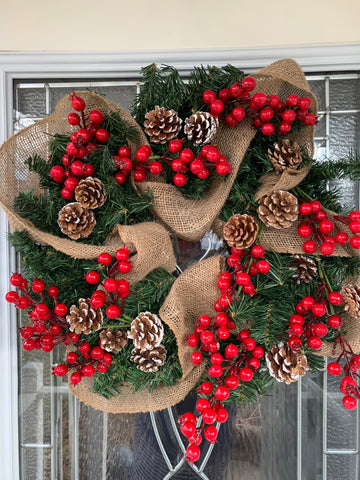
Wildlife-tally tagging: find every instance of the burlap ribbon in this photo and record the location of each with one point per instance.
(192, 294)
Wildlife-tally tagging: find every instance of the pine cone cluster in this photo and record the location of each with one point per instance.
(285, 365)
(113, 340)
(75, 221)
(351, 295)
(279, 209)
(306, 269)
(162, 125)
(149, 360)
(84, 318)
(240, 231)
(146, 331)
(285, 155)
(200, 128)
(90, 193)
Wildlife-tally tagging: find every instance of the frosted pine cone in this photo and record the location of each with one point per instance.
(201, 127)
(351, 295)
(146, 331)
(149, 360)
(306, 269)
(162, 125)
(285, 365)
(279, 209)
(113, 340)
(90, 193)
(240, 231)
(84, 319)
(285, 155)
(75, 221)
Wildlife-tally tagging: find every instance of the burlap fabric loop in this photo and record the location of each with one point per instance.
(286, 181)
(190, 219)
(192, 294)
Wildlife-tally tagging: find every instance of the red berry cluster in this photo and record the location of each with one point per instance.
(113, 290)
(324, 228)
(237, 360)
(348, 385)
(310, 323)
(269, 113)
(84, 141)
(48, 326)
(181, 160)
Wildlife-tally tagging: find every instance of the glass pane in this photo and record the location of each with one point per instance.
(318, 88)
(31, 102)
(344, 134)
(344, 94)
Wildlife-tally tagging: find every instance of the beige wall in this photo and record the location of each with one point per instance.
(149, 24)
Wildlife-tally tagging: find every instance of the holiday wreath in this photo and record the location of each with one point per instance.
(92, 197)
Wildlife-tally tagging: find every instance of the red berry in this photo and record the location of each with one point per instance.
(314, 342)
(310, 119)
(355, 242)
(284, 127)
(224, 94)
(334, 321)
(88, 370)
(213, 154)
(28, 344)
(120, 178)
(207, 337)
(210, 433)
(249, 289)
(263, 266)
(113, 311)
(26, 332)
(334, 369)
(327, 248)
(292, 100)
(305, 209)
(249, 83)
(110, 285)
(77, 103)
(221, 415)
(304, 230)
(318, 309)
(238, 114)
(57, 173)
(221, 319)
(231, 382)
(124, 151)
(96, 117)
(246, 374)
(202, 404)
(309, 246)
(60, 370)
(304, 103)
(230, 120)
(257, 251)
(320, 329)
(102, 135)
(188, 429)
(208, 96)
(155, 168)
(209, 416)
(175, 146)
(105, 258)
(192, 340)
(73, 118)
(243, 278)
(223, 333)
(124, 267)
(258, 100)
(342, 238)
(289, 116)
(196, 166)
(258, 352)
(222, 168)
(77, 168)
(254, 362)
(92, 277)
(349, 402)
(215, 371)
(72, 357)
(192, 453)
(335, 298)
(180, 179)
(61, 309)
(207, 387)
(295, 343)
(216, 107)
(274, 101)
(75, 378)
(236, 90)
(196, 357)
(268, 129)
(11, 297)
(97, 353)
(231, 351)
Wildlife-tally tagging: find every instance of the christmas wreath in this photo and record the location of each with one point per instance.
(226, 152)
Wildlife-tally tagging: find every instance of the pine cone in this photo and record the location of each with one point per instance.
(279, 209)
(306, 269)
(90, 193)
(162, 125)
(84, 319)
(149, 360)
(113, 340)
(75, 221)
(351, 295)
(240, 231)
(285, 365)
(146, 331)
(285, 155)
(201, 127)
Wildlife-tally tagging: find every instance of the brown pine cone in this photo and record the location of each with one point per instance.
(162, 125)
(351, 295)
(90, 193)
(146, 331)
(240, 231)
(149, 360)
(285, 365)
(285, 155)
(279, 209)
(84, 319)
(113, 340)
(75, 221)
(201, 127)
(306, 269)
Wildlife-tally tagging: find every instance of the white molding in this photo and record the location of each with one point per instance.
(319, 58)
(47, 65)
